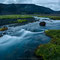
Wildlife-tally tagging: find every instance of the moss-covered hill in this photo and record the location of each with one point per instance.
(50, 51)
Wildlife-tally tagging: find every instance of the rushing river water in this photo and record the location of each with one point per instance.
(20, 42)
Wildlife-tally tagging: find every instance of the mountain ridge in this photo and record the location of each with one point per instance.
(25, 9)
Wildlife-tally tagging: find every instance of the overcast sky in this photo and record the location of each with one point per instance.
(53, 4)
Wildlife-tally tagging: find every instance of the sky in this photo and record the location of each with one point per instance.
(53, 4)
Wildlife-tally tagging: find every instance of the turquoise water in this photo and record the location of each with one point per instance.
(20, 42)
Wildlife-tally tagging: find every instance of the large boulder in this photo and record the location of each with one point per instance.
(42, 23)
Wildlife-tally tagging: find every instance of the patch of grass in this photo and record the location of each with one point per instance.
(18, 21)
(52, 17)
(21, 21)
(55, 34)
(50, 51)
(14, 16)
(10, 19)
(9, 16)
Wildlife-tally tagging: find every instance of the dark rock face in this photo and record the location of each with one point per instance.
(42, 24)
(4, 33)
(24, 9)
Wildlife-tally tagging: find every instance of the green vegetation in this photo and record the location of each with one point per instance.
(14, 16)
(52, 17)
(50, 51)
(55, 34)
(20, 21)
(27, 16)
(3, 29)
(10, 19)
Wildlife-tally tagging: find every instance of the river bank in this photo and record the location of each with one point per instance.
(50, 51)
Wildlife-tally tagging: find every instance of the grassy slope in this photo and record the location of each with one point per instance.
(50, 51)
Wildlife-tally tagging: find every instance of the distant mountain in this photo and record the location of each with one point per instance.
(25, 9)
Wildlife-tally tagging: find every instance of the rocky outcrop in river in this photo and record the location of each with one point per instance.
(42, 23)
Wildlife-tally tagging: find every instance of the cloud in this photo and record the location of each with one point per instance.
(1, 1)
(53, 4)
(9, 1)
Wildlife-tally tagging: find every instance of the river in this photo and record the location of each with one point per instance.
(20, 42)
